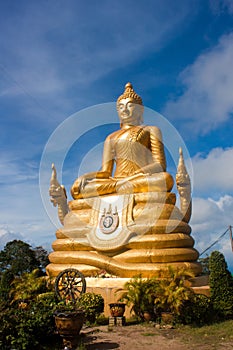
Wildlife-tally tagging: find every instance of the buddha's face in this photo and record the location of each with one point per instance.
(130, 113)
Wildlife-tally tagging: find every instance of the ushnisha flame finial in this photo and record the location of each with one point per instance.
(130, 93)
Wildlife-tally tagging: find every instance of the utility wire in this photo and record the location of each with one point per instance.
(217, 240)
(21, 87)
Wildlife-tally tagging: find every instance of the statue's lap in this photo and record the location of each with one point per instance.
(159, 182)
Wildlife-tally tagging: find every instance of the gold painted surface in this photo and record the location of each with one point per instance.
(183, 184)
(74, 232)
(137, 152)
(155, 212)
(132, 256)
(160, 227)
(58, 195)
(59, 261)
(157, 234)
(155, 197)
(54, 269)
(164, 255)
(171, 240)
(142, 198)
(69, 244)
(152, 249)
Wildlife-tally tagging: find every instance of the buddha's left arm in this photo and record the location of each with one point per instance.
(157, 150)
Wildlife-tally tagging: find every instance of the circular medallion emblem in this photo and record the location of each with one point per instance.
(109, 222)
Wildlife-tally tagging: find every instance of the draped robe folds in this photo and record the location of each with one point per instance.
(140, 164)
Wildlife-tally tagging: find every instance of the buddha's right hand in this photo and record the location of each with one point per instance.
(80, 184)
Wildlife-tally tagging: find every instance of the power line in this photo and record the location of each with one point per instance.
(231, 237)
(21, 87)
(219, 238)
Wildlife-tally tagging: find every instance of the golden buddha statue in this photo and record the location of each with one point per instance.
(137, 152)
(145, 232)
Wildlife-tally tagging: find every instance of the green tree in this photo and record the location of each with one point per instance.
(5, 285)
(42, 257)
(221, 285)
(28, 286)
(18, 257)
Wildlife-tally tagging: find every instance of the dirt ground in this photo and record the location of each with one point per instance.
(147, 337)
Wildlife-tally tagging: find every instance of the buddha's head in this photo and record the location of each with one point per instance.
(130, 107)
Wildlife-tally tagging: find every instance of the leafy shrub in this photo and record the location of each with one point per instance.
(197, 311)
(140, 295)
(93, 305)
(221, 285)
(28, 285)
(26, 325)
(172, 291)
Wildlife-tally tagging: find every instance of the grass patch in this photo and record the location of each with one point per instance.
(212, 334)
(148, 334)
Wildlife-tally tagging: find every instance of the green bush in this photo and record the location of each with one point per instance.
(140, 295)
(25, 325)
(197, 311)
(172, 292)
(221, 285)
(93, 304)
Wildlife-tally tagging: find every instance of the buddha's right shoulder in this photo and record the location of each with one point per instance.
(112, 136)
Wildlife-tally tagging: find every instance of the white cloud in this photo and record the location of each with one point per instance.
(21, 207)
(210, 219)
(51, 49)
(52, 55)
(22, 212)
(213, 201)
(213, 172)
(15, 170)
(218, 6)
(207, 100)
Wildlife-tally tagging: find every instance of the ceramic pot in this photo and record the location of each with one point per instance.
(167, 317)
(117, 309)
(69, 324)
(147, 316)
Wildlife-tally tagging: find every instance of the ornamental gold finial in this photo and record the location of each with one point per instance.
(184, 188)
(130, 93)
(181, 169)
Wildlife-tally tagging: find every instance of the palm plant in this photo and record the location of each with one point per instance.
(140, 295)
(172, 291)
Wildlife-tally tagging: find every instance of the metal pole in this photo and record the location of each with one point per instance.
(231, 238)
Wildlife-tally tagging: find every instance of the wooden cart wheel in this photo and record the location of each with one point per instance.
(70, 284)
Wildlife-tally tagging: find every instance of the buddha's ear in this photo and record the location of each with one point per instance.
(141, 109)
(140, 113)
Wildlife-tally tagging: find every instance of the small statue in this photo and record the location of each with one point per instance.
(184, 188)
(58, 195)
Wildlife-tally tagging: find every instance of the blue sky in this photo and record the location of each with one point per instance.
(60, 57)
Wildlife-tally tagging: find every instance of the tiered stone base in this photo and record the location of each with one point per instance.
(157, 238)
